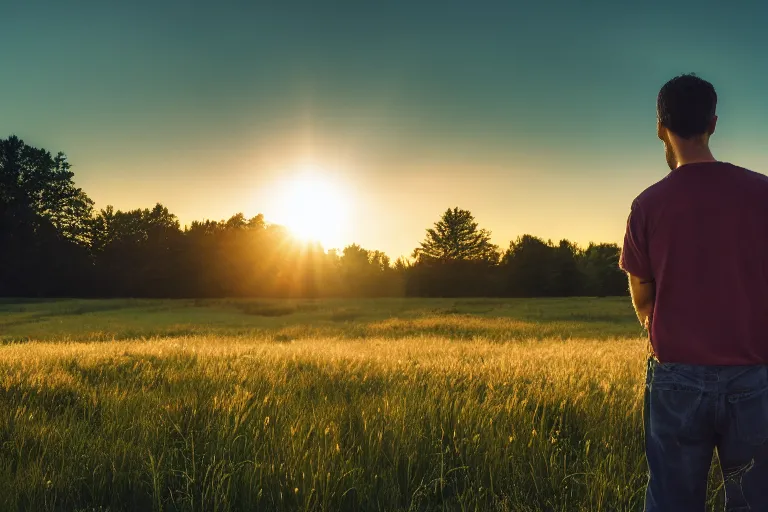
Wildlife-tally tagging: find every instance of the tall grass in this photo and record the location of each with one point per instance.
(501, 320)
(397, 419)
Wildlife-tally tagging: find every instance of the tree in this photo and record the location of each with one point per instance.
(528, 267)
(52, 244)
(456, 237)
(455, 259)
(138, 252)
(567, 280)
(401, 265)
(600, 267)
(365, 273)
(44, 223)
(37, 187)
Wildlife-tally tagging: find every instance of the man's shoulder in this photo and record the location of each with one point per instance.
(652, 194)
(758, 179)
(748, 183)
(675, 182)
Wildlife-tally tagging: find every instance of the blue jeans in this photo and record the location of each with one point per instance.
(689, 412)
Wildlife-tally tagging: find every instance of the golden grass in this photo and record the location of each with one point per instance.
(392, 405)
(327, 424)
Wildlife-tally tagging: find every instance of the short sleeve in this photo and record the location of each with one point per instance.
(634, 254)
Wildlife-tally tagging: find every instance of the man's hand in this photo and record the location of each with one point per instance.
(643, 293)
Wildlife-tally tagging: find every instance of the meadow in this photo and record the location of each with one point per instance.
(322, 405)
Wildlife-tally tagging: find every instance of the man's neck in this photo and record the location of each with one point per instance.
(694, 154)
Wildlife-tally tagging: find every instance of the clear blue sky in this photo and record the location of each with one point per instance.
(537, 116)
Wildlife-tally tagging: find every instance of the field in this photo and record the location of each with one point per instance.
(418, 405)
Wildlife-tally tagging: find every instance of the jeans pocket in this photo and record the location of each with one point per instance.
(750, 412)
(676, 400)
(677, 412)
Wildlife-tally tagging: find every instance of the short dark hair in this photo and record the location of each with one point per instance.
(686, 105)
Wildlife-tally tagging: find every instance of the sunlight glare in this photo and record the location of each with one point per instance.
(313, 208)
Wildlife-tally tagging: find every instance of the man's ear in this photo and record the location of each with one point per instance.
(712, 125)
(660, 130)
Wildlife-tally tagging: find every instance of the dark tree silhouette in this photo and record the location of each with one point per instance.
(567, 280)
(600, 268)
(52, 244)
(37, 187)
(136, 253)
(44, 222)
(528, 267)
(366, 273)
(456, 237)
(456, 258)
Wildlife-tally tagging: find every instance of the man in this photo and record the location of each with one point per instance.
(696, 251)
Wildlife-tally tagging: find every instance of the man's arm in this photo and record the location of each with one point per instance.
(643, 293)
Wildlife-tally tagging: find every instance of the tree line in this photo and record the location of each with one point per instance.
(53, 242)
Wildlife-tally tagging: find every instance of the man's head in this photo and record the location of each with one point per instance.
(685, 110)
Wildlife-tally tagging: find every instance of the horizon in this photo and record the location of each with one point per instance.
(302, 239)
(398, 111)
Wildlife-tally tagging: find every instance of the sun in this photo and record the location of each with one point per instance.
(313, 207)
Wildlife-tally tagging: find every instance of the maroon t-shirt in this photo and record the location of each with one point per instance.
(702, 234)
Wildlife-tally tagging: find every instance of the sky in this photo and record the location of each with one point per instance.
(538, 117)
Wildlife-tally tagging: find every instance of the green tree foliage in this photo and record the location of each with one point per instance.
(528, 266)
(566, 278)
(456, 237)
(534, 268)
(136, 253)
(44, 222)
(52, 243)
(599, 266)
(366, 273)
(456, 258)
(38, 188)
